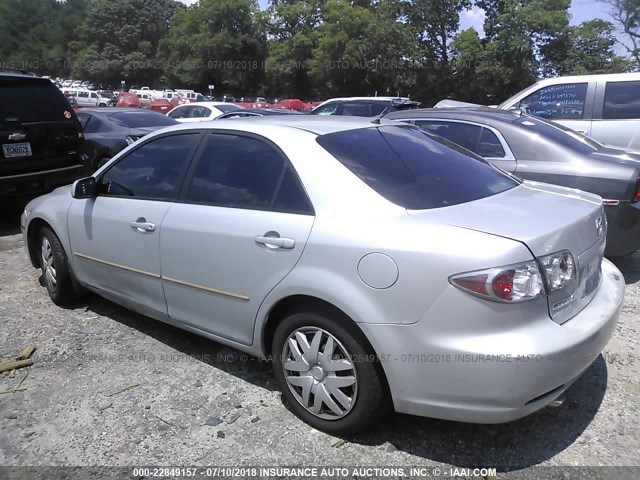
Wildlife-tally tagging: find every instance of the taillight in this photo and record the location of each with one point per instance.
(559, 270)
(513, 283)
(522, 281)
(636, 194)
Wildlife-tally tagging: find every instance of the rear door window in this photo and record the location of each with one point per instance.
(245, 172)
(490, 146)
(557, 102)
(414, 169)
(621, 101)
(26, 100)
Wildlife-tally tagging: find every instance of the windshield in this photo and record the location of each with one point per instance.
(141, 119)
(414, 169)
(559, 134)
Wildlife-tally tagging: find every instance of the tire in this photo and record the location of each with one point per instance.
(55, 268)
(102, 105)
(362, 402)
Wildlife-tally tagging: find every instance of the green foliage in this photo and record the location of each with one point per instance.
(314, 48)
(219, 42)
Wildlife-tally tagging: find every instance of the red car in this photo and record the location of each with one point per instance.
(128, 99)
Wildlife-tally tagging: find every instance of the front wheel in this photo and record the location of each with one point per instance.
(327, 372)
(55, 268)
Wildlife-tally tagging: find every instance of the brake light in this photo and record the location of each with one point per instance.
(522, 281)
(636, 195)
(513, 283)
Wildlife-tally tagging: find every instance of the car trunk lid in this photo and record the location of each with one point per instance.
(547, 219)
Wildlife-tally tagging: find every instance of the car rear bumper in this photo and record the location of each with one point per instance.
(34, 182)
(500, 376)
(623, 235)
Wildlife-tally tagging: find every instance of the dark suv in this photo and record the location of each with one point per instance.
(364, 106)
(40, 136)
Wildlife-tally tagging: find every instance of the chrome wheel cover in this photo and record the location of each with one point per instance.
(47, 264)
(320, 373)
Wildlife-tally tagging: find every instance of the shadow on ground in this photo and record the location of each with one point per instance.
(629, 266)
(510, 446)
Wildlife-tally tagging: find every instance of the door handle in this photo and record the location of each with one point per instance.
(142, 226)
(583, 132)
(274, 240)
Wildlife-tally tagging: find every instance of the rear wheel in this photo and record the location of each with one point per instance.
(328, 376)
(55, 268)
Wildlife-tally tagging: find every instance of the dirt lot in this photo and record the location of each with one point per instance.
(198, 403)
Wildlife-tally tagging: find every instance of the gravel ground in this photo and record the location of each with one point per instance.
(197, 403)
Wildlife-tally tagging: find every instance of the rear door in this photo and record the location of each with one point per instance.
(239, 228)
(38, 129)
(617, 114)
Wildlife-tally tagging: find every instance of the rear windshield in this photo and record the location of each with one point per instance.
(31, 100)
(141, 119)
(414, 169)
(559, 134)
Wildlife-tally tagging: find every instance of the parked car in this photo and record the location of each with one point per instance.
(40, 136)
(364, 106)
(604, 107)
(128, 100)
(258, 112)
(535, 149)
(201, 111)
(109, 130)
(161, 105)
(347, 251)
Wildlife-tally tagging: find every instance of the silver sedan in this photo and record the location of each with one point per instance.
(376, 265)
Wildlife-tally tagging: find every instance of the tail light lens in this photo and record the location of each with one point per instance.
(522, 281)
(513, 283)
(636, 194)
(559, 270)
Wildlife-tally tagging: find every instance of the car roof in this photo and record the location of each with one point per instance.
(372, 99)
(206, 104)
(317, 125)
(461, 113)
(608, 77)
(99, 110)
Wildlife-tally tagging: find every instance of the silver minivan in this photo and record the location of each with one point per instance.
(604, 107)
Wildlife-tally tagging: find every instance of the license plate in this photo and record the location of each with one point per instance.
(13, 150)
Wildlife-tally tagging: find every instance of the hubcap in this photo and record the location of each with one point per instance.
(48, 264)
(320, 373)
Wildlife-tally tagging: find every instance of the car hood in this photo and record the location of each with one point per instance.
(546, 218)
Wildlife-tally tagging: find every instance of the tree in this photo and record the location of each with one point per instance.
(120, 38)
(293, 31)
(590, 50)
(627, 14)
(219, 42)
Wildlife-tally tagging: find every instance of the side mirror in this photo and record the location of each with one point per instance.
(84, 188)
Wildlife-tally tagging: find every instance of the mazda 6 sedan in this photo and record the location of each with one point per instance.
(375, 264)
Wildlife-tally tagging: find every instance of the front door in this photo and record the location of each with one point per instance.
(115, 237)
